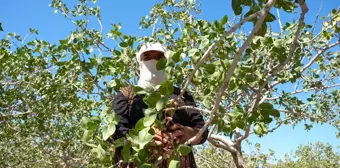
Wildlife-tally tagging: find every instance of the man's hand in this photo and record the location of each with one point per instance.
(160, 137)
(165, 141)
(182, 133)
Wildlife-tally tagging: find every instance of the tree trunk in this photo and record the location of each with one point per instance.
(238, 158)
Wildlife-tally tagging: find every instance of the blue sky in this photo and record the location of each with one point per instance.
(20, 15)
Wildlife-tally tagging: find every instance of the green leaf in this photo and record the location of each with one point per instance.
(95, 119)
(123, 44)
(149, 111)
(112, 118)
(177, 56)
(89, 124)
(161, 64)
(166, 88)
(264, 128)
(236, 5)
(174, 163)
(207, 103)
(270, 18)
(149, 120)
(146, 165)
(1, 27)
(159, 124)
(126, 151)
(204, 42)
(108, 130)
(266, 105)
(258, 129)
(143, 155)
(241, 124)
(184, 150)
(224, 20)
(140, 124)
(247, 2)
(275, 113)
(144, 137)
(161, 103)
(250, 12)
(84, 121)
(105, 111)
(152, 99)
(119, 142)
(87, 135)
(91, 145)
(209, 68)
(193, 52)
(92, 125)
(139, 90)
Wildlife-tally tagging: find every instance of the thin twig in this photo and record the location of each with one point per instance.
(316, 18)
(22, 42)
(101, 26)
(279, 20)
(179, 26)
(153, 27)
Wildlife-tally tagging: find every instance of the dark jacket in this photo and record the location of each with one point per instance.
(130, 114)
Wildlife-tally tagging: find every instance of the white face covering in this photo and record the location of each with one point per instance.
(149, 75)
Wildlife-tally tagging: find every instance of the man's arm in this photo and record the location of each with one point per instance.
(196, 122)
(121, 107)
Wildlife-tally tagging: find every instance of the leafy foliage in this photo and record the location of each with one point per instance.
(56, 98)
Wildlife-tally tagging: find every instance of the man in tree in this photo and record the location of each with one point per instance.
(182, 126)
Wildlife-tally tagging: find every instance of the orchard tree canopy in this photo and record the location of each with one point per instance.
(55, 101)
(318, 154)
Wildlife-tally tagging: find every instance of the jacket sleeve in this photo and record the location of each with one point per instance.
(121, 107)
(196, 118)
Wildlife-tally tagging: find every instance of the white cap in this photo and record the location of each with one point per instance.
(150, 47)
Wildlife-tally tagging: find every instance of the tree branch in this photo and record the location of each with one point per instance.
(318, 54)
(212, 130)
(223, 142)
(300, 91)
(228, 75)
(16, 114)
(207, 53)
(279, 124)
(187, 108)
(245, 136)
(300, 114)
(295, 39)
(240, 138)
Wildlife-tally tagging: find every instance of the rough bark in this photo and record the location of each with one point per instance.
(238, 158)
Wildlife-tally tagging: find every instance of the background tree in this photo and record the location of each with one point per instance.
(213, 157)
(56, 97)
(311, 155)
